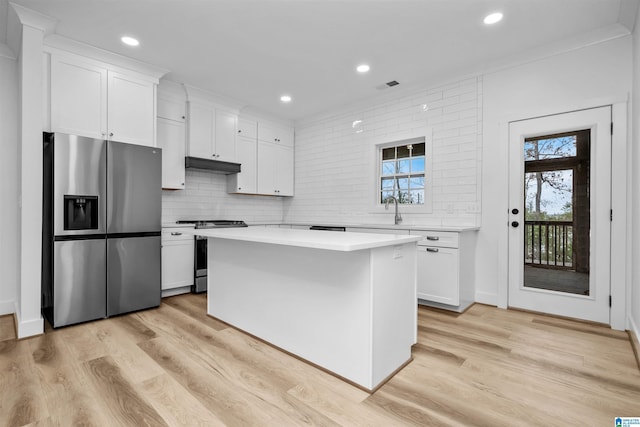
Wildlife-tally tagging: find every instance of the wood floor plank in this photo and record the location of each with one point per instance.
(125, 405)
(21, 397)
(84, 341)
(134, 363)
(7, 328)
(176, 366)
(176, 405)
(208, 386)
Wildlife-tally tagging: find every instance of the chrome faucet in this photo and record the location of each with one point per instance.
(398, 217)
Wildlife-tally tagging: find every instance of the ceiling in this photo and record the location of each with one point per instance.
(254, 51)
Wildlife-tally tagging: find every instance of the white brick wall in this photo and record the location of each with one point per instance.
(335, 166)
(205, 197)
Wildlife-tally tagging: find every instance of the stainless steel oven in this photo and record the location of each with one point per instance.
(200, 259)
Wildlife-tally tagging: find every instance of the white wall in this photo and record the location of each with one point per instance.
(336, 157)
(581, 78)
(8, 184)
(634, 315)
(205, 197)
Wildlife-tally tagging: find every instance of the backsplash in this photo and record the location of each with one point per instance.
(205, 197)
(336, 157)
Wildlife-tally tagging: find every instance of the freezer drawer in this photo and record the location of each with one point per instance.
(79, 288)
(133, 274)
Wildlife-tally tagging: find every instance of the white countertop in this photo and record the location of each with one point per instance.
(328, 240)
(454, 228)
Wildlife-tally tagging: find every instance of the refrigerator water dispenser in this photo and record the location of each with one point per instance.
(80, 212)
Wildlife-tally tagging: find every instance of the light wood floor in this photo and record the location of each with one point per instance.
(175, 366)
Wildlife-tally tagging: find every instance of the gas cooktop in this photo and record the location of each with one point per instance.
(213, 223)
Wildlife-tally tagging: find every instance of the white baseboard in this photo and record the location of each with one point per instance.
(7, 307)
(29, 327)
(176, 291)
(487, 298)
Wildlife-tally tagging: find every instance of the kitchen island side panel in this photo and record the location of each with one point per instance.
(394, 308)
(313, 303)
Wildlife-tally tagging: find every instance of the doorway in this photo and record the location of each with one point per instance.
(560, 201)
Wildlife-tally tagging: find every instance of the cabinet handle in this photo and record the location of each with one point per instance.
(239, 130)
(176, 233)
(110, 133)
(434, 250)
(239, 188)
(434, 238)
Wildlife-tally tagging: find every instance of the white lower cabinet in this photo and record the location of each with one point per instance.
(445, 276)
(177, 261)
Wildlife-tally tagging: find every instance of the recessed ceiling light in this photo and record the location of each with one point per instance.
(285, 98)
(363, 68)
(130, 41)
(493, 18)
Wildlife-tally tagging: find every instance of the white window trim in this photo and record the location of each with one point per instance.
(427, 207)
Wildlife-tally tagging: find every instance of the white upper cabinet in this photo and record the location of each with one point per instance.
(171, 138)
(226, 126)
(275, 169)
(95, 99)
(247, 128)
(212, 133)
(201, 131)
(246, 154)
(78, 97)
(171, 109)
(131, 109)
(270, 132)
(171, 133)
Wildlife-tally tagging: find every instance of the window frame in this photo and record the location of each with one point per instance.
(427, 206)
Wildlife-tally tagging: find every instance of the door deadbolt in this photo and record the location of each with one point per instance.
(515, 211)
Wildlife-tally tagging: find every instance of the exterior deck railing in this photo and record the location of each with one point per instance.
(549, 244)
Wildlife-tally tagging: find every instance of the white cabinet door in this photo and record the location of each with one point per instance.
(225, 136)
(270, 132)
(131, 109)
(267, 164)
(247, 128)
(171, 135)
(177, 259)
(284, 171)
(201, 131)
(78, 97)
(246, 154)
(438, 275)
(171, 109)
(275, 169)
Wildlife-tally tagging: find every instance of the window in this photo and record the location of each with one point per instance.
(402, 172)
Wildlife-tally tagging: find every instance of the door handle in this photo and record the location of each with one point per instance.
(514, 224)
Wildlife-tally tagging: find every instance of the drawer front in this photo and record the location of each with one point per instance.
(440, 239)
(175, 234)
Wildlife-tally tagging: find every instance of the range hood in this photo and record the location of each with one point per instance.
(215, 166)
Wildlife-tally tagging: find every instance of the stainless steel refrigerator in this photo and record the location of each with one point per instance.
(101, 228)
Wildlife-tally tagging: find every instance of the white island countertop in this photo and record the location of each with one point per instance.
(327, 240)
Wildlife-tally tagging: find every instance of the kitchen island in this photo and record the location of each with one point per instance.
(346, 302)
